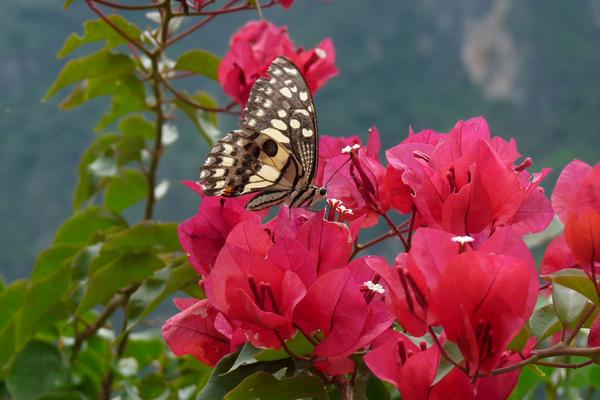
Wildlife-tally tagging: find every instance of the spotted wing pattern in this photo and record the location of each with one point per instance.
(275, 151)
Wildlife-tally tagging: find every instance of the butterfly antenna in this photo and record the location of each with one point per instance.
(337, 170)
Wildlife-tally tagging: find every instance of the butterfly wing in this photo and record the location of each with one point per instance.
(281, 107)
(275, 151)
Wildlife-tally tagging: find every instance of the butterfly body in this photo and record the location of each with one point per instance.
(275, 151)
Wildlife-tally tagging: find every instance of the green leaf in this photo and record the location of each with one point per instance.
(145, 347)
(101, 63)
(568, 304)
(520, 341)
(11, 300)
(83, 225)
(119, 106)
(577, 280)
(246, 356)
(92, 364)
(147, 235)
(201, 62)
(98, 30)
(263, 386)
(446, 366)
(221, 381)
(39, 368)
(205, 122)
(125, 85)
(157, 288)
(152, 386)
(376, 389)
(87, 183)
(138, 126)
(122, 272)
(67, 4)
(44, 304)
(544, 322)
(299, 344)
(52, 258)
(125, 189)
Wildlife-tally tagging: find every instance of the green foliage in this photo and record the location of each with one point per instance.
(263, 386)
(98, 31)
(50, 371)
(577, 280)
(201, 62)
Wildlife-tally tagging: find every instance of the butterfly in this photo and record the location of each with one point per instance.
(275, 151)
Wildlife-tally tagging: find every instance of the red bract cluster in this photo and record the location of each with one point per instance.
(462, 275)
(256, 45)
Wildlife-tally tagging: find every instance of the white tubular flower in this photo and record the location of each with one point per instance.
(348, 149)
(462, 239)
(374, 287)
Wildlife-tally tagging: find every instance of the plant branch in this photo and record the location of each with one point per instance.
(395, 230)
(291, 352)
(190, 102)
(226, 10)
(360, 247)
(563, 365)
(128, 7)
(580, 324)
(445, 354)
(559, 349)
(199, 25)
(107, 20)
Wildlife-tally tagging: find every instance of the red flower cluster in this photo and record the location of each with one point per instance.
(576, 200)
(265, 281)
(257, 44)
(463, 275)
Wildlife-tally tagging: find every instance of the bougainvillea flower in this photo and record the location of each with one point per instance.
(360, 182)
(335, 306)
(329, 243)
(558, 256)
(193, 331)
(331, 147)
(412, 370)
(467, 182)
(594, 336)
(203, 235)
(286, 3)
(250, 290)
(257, 44)
(577, 188)
(482, 303)
(582, 233)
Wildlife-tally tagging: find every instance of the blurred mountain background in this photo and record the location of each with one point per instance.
(531, 67)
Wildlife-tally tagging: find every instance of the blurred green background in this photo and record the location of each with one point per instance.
(531, 67)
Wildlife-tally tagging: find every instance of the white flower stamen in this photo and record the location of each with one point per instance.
(375, 287)
(320, 52)
(462, 239)
(348, 149)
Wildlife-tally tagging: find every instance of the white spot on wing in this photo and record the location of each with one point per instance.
(260, 112)
(268, 103)
(227, 161)
(269, 172)
(276, 135)
(291, 71)
(218, 173)
(281, 113)
(278, 124)
(252, 122)
(303, 96)
(303, 112)
(307, 132)
(276, 71)
(286, 92)
(294, 123)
